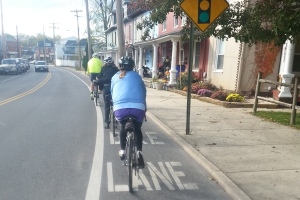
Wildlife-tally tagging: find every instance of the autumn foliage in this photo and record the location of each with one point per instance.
(265, 57)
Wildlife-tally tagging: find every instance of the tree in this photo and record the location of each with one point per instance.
(247, 21)
(100, 16)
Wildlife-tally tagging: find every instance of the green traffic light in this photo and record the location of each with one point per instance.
(204, 17)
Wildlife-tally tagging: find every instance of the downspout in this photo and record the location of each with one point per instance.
(239, 68)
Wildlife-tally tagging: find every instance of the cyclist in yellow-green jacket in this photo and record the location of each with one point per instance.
(93, 69)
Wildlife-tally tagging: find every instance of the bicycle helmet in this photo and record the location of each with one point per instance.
(95, 55)
(126, 63)
(108, 60)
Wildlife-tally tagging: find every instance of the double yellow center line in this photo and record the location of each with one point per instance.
(27, 92)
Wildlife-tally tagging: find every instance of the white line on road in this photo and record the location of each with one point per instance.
(93, 190)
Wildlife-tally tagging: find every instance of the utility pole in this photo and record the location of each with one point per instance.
(79, 49)
(89, 56)
(44, 43)
(54, 55)
(3, 37)
(18, 56)
(120, 30)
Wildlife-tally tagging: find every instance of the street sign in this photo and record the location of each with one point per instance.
(203, 12)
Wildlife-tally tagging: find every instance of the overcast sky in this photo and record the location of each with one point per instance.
(31, 17)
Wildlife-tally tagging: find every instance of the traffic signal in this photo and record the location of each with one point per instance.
(204, 11)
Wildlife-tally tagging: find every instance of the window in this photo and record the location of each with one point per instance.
(197, 55)
(164, 25)
(183, 20)
(175, 21)
(220, 54)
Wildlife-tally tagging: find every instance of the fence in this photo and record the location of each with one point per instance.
(295, 96)
(67, 63)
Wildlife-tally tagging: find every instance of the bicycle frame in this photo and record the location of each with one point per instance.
(96, 95)
(130, 151)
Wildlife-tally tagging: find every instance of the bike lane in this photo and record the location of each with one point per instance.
(169, 173)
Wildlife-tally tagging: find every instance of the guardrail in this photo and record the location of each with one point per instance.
(293, 106)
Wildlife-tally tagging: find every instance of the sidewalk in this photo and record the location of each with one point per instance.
(249, 157)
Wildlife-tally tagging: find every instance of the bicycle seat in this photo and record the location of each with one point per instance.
(129, 125)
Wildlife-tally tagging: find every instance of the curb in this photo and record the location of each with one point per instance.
(230, 187)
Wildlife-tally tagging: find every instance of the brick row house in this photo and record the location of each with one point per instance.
(226, 64)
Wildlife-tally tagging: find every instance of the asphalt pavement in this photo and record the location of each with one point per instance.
(249, 157)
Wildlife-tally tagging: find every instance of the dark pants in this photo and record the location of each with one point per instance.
(138, 135)
(107, 101)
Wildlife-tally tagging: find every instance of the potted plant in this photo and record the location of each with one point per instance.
(154, 79)
(159, 84)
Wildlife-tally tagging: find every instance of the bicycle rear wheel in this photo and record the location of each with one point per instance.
(96, 95)
(129, 164)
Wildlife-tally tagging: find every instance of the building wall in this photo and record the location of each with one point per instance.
(249, 74)
(225, 78)
(170, 25)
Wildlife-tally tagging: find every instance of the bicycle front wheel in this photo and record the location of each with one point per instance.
(129, 164)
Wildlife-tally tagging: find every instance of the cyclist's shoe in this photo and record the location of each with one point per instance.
(99, 91)
(141, 163)
(122, 155)
(92, 96)
(106, 126)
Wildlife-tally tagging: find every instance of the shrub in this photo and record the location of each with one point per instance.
(234, 98)
(195, 87)
(204, 93)
(220, 95)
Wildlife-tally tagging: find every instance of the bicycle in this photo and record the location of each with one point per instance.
(130, 150)
(111, 115)
(96, 94)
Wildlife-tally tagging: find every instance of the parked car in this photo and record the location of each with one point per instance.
(41, 66)
(10, 66)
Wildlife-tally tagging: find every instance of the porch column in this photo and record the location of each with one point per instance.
(141, 62)
(286, 66)
(154, 64)
(135, 56)
(173, 63)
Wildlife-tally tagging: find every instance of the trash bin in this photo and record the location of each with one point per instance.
(178, 67)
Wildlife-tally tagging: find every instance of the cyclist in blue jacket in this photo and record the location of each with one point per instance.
(129, 99)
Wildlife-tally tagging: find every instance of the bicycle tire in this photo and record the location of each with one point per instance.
(129, 164)
(96, 95)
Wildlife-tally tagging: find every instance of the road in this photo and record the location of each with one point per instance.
(53, 146)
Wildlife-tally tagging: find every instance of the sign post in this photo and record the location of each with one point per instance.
(203, 13)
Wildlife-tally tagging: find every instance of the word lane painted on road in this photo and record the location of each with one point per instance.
(151, 136)
(165, 174)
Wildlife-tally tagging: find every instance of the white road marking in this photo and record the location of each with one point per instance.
(163, 176)
(110, 180)
(176, 174)
(93, 190)
(152, 138)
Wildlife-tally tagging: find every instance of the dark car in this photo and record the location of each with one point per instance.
(41, 66)
(10, 66)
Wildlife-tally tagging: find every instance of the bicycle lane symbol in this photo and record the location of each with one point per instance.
(164, 173)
